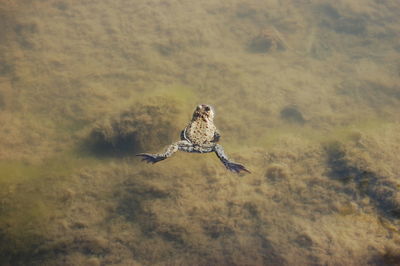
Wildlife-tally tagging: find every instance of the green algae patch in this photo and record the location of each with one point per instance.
(24, 221)
(184, 98)
(308, 134)
(354, 130)
(180, 93)
(17, 171)
(25, 209)
(30, 201)
(61, 165)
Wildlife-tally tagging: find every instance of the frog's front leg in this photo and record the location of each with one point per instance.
(174, 147)
(234, 167)
(216, 137)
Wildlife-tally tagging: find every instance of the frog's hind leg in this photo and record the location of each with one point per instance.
(154, 158)
(231, 166)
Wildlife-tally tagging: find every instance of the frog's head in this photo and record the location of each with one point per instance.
(204, 111)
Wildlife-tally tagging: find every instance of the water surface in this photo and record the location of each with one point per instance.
(306, 95)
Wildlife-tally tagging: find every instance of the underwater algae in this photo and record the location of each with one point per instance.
(313, 113)
(132, 129)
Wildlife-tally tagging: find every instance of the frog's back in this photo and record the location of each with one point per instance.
(201, 129)
(200, 132)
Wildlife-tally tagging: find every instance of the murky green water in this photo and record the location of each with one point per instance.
(306, 95)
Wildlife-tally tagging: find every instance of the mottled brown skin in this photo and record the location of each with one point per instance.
(201, 129)
(200, 136)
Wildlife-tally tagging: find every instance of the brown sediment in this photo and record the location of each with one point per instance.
(313, 111)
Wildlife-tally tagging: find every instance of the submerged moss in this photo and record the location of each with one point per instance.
(29, 203)
(142, 126)
(126, 80)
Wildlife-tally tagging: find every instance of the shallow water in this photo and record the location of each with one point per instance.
(306, 95)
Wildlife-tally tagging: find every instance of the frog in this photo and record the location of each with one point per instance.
(199, 136)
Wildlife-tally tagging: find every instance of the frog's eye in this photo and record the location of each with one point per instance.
(207, 108)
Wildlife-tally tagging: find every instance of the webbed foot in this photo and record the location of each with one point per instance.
(151, 158)
(235, 167)
(231, 166)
